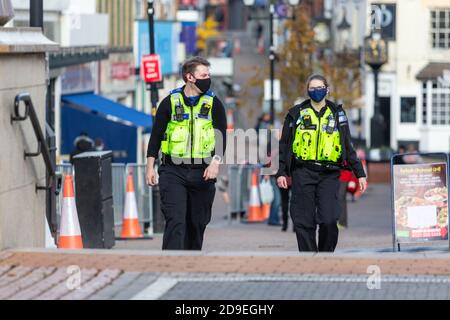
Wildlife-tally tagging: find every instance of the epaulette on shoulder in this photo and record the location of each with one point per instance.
(178, 90)
(210, 93)
(294, 111)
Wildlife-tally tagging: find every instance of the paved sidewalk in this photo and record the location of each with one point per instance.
(240, 261)
(49, 274)
(369, 229)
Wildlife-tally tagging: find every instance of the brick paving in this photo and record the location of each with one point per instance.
(398, 264)
(38, 289)
(27, 281)
(101, 280)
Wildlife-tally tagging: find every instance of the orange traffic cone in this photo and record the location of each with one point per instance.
(230, 120)
(70, 234)
(265, 211)
(131, 228)
(260, 48)
(254, 209)
(237, 46)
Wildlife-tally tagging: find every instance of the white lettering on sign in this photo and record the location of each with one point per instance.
(151, 68)
(380, 16)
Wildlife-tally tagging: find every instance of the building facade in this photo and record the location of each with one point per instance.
(414, 98)
(414, 86)
(121, 17)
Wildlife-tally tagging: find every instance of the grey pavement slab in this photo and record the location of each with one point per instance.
(117, 287)
(270, 290)
(140, 283)
(294, 287)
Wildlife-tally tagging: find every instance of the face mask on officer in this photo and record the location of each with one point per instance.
(318, 94)
(203, 84)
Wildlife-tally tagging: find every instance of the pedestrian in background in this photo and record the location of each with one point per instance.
(315, 144)
(259, 30)
(184, 130)
(99, 144)
(274, 217)
(82, 143)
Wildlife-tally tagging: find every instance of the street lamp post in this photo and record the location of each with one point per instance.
(37, 13)
(151, 31)
(157, 218)
(272, 63)
(376, 55)
(272, 53)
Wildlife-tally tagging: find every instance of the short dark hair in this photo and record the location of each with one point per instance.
(191, 64)
(316, 77)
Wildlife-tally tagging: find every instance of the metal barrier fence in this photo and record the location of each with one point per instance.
(118, 188)
(239, 189)
(119, 179)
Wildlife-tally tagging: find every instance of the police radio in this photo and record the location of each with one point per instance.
(205, 109)
(331, 125)
(307, 121)
(179, 113)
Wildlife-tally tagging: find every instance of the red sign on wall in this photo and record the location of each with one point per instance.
(120, 71)
(151, 68)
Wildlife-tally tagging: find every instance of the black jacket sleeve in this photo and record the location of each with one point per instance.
(352, 159)
(159, 127)
(283, 148)
(219, 119)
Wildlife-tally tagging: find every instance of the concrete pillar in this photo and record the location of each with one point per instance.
(23, 68)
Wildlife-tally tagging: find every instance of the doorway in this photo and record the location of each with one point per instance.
(385, 109)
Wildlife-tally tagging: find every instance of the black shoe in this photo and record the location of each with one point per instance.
(284, 228)
(274, 224)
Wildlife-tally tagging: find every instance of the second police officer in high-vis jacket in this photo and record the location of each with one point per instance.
(314, 147)
(190, 130)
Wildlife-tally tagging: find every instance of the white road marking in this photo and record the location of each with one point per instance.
(156, 290)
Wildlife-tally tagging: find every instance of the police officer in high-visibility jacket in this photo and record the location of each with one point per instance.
(190, 129)
(314, 147)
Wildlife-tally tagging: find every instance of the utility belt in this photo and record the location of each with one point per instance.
(190, 163)
(318, 166)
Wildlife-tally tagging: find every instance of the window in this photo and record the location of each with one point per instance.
(440, 108)
(424, 103)
(440, 28)
(140, 9)
(408, 109)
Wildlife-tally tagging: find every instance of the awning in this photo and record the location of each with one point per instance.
(110, 109)
(433, 71)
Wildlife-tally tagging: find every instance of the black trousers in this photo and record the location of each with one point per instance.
(186, 203)
(315, 201)
(285, 195)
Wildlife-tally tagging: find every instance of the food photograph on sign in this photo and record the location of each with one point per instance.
(421, 202)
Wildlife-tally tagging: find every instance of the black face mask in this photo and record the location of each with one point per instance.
(203, 84)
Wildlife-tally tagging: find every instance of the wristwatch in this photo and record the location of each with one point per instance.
(218, 159)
